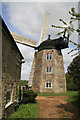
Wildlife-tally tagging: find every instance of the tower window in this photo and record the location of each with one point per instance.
(48, 56)
(48, 69)
(48, 84)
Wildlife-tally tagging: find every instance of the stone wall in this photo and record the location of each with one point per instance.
(56, 77)
(37, 76)
(9, 110)
(11, 67)
(0, 68)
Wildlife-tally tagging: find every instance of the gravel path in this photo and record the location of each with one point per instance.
(56, 107)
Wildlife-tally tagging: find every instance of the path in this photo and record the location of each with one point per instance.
(56, 107)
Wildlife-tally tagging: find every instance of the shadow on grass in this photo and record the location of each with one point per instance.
(72, 108)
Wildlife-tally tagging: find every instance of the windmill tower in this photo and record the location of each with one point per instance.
(47, 73)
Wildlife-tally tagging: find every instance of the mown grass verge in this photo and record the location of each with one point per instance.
(29, 110)
(68, 93)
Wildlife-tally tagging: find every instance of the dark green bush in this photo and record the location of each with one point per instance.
(28, 96)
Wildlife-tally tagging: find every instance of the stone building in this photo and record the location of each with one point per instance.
(11, 70)
(49, 75)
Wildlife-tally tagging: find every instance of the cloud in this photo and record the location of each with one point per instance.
(26, 70)
(27, 19)
(28, 54)
(41, 1)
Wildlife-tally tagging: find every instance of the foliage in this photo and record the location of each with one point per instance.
(26, 111)
(74, 100)
(23, 82)
(28, 96)
(70, 83)
(74, 73)
(75, 16)
(68, 28)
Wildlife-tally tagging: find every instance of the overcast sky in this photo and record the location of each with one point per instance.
(26, 18)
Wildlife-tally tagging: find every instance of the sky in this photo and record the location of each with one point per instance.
(26, 18)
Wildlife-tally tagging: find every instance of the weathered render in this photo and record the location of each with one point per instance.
(11, 70)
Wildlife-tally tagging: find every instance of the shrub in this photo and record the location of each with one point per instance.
(28, 96)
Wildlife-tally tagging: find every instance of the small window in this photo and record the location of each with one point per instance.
(48, 85)
(48, 56)
(9, 93)
(8, 96)
(48, 69)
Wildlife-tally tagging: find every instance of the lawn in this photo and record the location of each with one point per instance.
(30, 110)
(74, 99)
(68, 93)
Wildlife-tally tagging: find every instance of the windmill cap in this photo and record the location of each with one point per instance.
(58, 44)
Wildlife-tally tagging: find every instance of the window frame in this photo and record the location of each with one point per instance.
(48, 85)
(8, 100)
(48, 56)
(9, 89)
(49, 70)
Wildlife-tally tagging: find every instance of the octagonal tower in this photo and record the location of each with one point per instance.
(49, 75)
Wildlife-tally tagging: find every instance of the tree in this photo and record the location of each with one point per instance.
(74, 73)
(68, 28)
(23, 82)
(70, 83)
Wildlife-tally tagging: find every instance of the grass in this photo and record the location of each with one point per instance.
(68, 93)
(74, 100)
(30, 110)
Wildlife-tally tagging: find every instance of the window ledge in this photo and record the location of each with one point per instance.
(16, 101)
(48, 72)
(8, 104)
(49, 88)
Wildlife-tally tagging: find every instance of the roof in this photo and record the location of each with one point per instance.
(58, 43)
(4, 27)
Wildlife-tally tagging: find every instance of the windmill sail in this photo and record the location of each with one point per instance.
(23, 40)
(44, 28)
(31, 73)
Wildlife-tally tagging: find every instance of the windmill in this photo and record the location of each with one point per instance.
(32, 43)
(47, 72)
